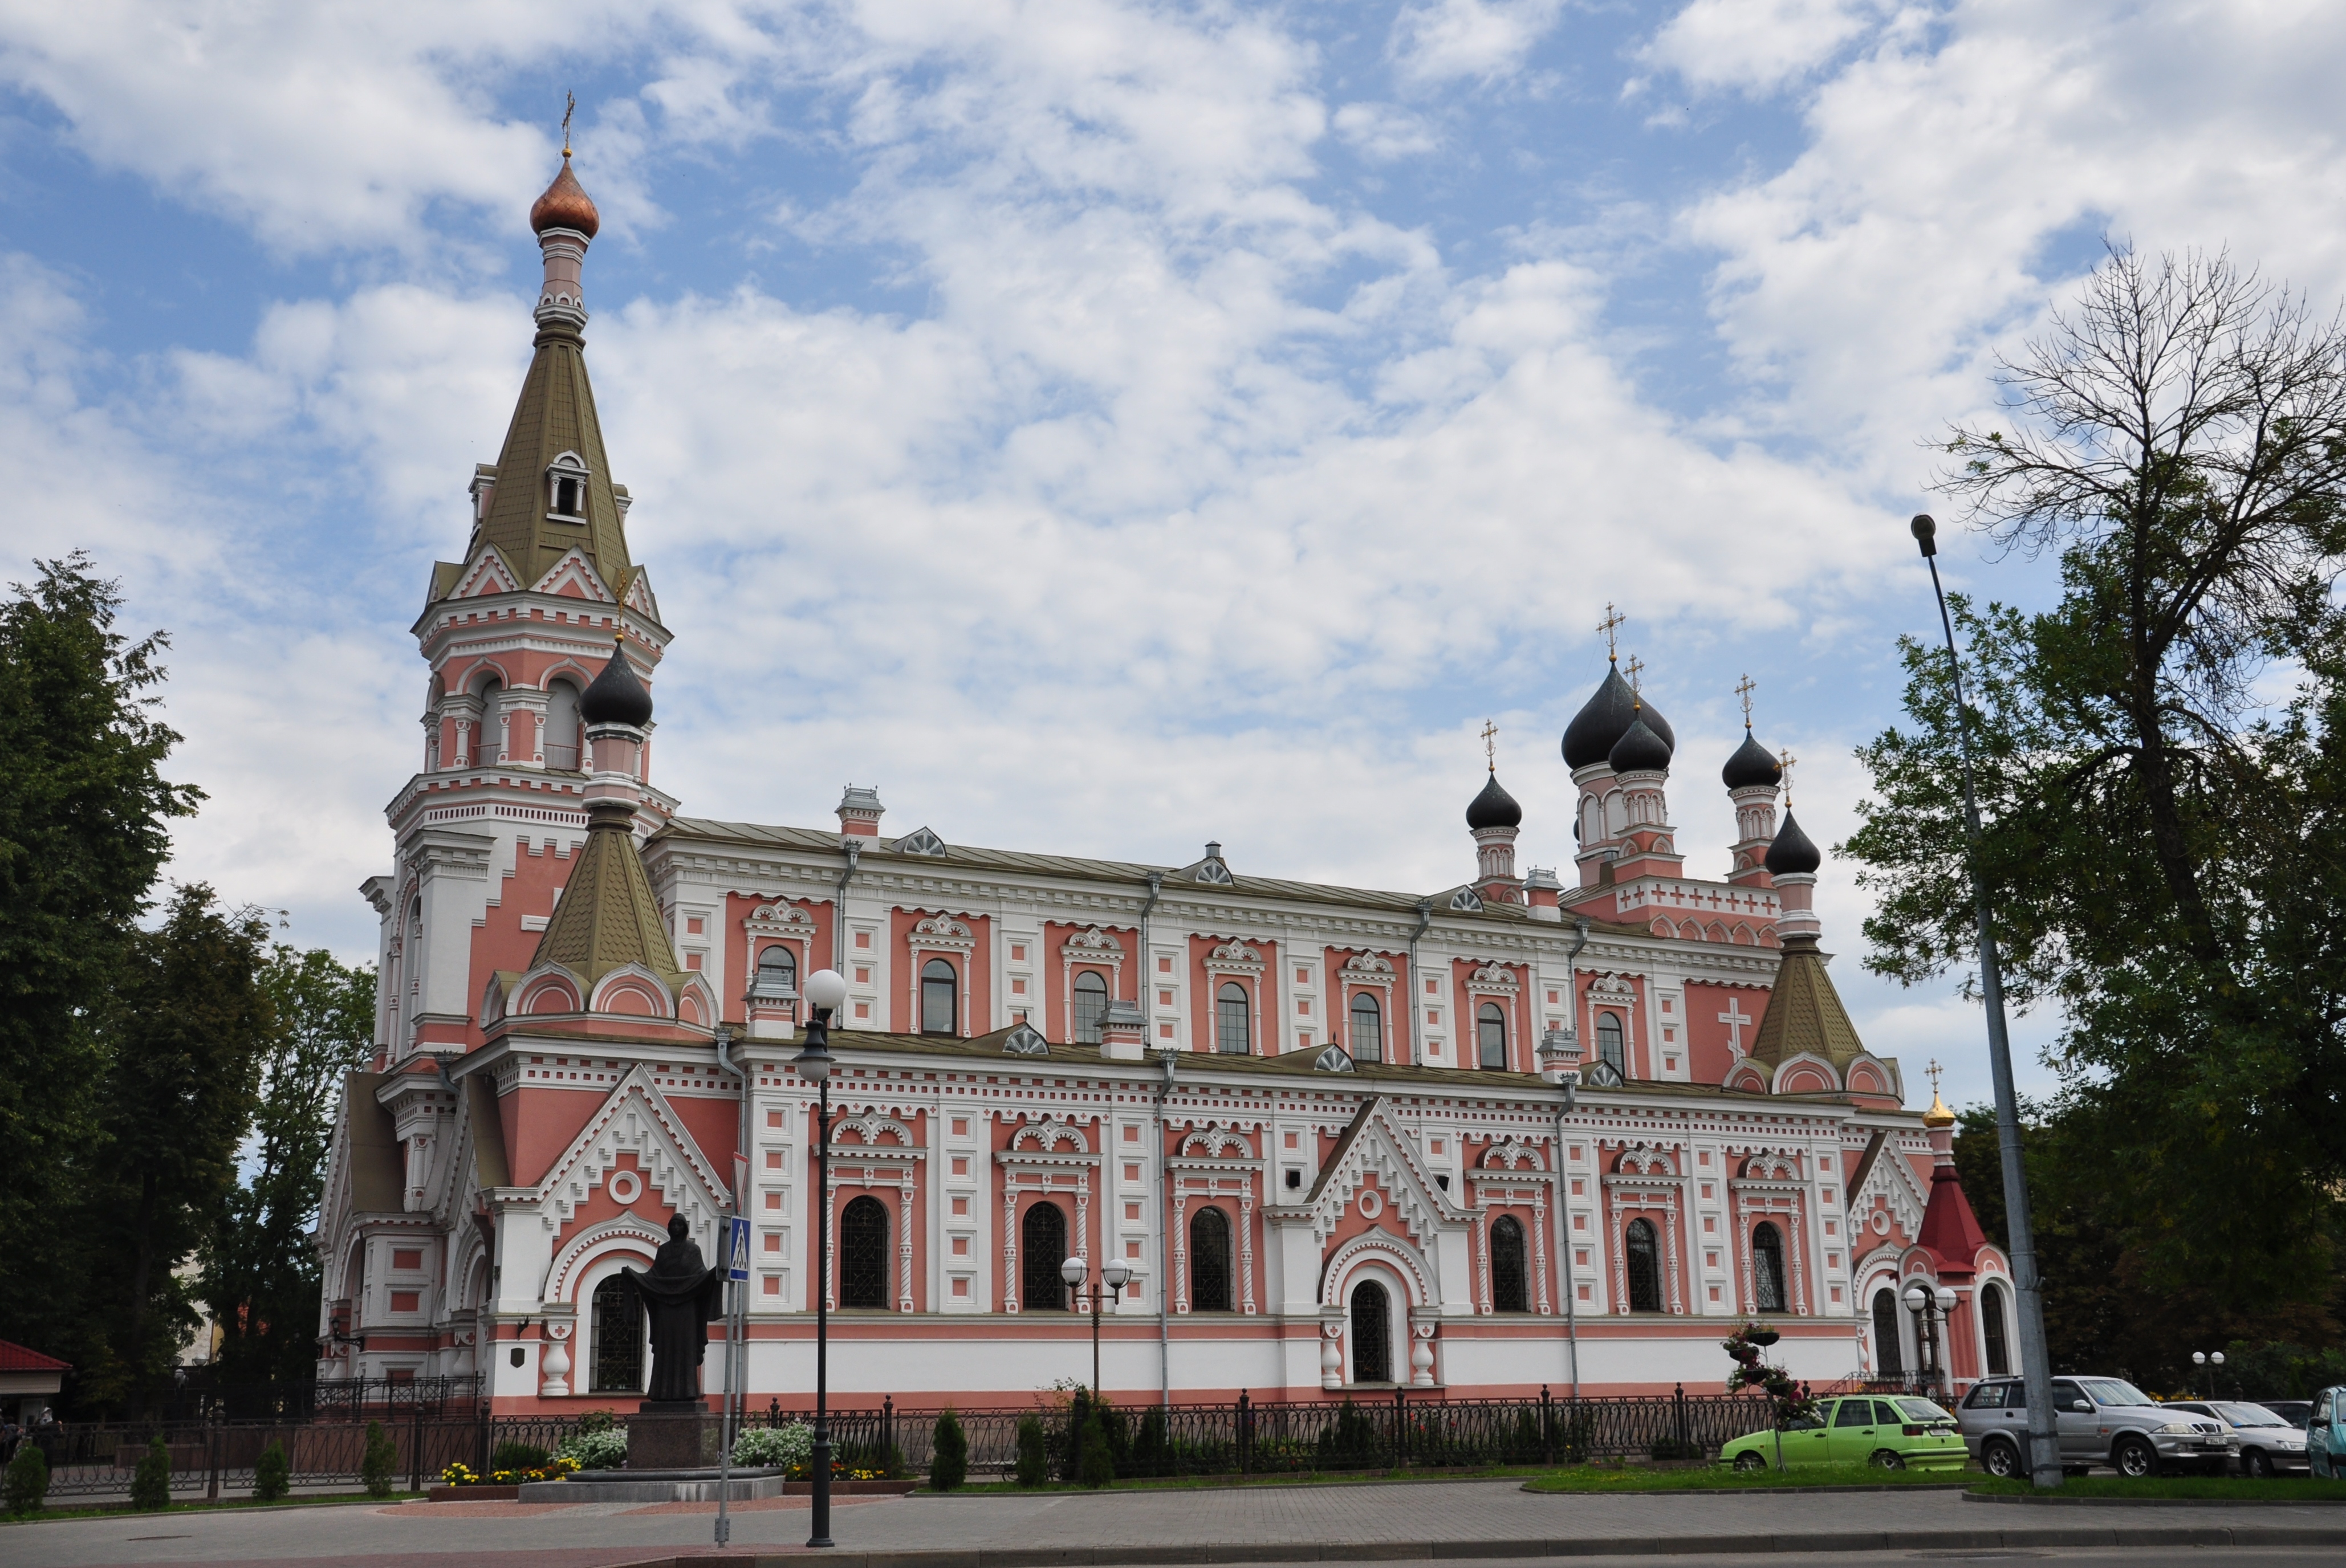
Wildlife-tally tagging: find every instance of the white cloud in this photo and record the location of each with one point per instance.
(1385, 133)
(1484, 39)
(1758, 45)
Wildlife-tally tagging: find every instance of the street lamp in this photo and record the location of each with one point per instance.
(826, 989)
(1558, 1049)
(2201, 1359)
(1930, 1307)
(2036, 1360)
(1112, 1274)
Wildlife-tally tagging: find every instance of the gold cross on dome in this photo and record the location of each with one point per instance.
(1931, 1073)
(1744, 688)
(1491, 745)
(570, 104)
(1785, 761)
(1636, 667)
(1613, 619)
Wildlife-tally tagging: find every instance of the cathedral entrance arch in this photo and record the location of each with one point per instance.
(1371, 1330)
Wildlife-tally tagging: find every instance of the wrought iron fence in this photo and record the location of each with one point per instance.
(325, 1450)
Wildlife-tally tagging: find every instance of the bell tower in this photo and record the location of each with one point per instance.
(523, 637)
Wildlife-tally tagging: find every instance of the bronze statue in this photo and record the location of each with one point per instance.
(680, 1295)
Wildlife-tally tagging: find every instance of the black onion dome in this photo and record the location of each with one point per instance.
(615, 697)
(1493, 808)
(1640, 750)
(1751, 765)
(1603, 719)
(1791, 851)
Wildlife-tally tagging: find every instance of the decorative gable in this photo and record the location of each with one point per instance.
(573, 577)
(635, 1119)
(1375, 1146)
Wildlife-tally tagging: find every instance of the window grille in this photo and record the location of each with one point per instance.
(1887, 1360)
(1644, 1260)
(1372, 1333)
(618, 1338)
(1042, 1247)
(1209, 1261)
(1510, 1282)
(863, 1254)
(1768, 1267)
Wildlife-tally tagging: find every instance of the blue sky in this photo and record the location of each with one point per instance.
(1103, 426)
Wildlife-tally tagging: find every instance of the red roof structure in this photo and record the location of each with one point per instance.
(17, 1358)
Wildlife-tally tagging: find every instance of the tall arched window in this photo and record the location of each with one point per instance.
(1209, 1261)
(618, 1338)
(1042, 1247)
(561, 725)
(1608, 1043)
(1768, 1267)
(1999, 1349)
(1887, 1362)
(488, 733)
(1644, 1260)
(940, 998)
(863, 1254)
(1232, 1036)
(1368, 1029)
(1091, 1003)
(1372, 1333)
(1491, 1034)
(778, 974)
(1510, 1279)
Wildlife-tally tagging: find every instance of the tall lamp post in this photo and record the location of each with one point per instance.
(1931, 1307)
(2214, 1364)
(1558, 1049)
(1113, 1273)
(2036, 1360)
(826, 989)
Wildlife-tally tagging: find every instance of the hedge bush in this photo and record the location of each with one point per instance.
(950, 1466)
(272, 1477)
(28, 1478)
(381, 1461)
(150, 1484)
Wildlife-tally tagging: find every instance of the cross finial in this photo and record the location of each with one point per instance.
(1785, 760)
(1613, 619)
(1635, 667)
(1931, 1073)
(1744, 688)
(1491, 745)
(570, 103)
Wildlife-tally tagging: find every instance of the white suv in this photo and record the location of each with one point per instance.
(2101, 1420)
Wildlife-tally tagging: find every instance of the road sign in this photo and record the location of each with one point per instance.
(737, 1249)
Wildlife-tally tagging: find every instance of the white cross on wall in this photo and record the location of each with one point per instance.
(1735, 1018)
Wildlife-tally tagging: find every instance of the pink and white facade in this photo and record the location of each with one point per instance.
(1307, 1117)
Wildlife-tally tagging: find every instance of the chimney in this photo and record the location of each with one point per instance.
(1121, 1028)
(860, 811)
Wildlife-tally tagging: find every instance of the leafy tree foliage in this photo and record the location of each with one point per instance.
(2165, 838)
(260, 1275)
(83, 812)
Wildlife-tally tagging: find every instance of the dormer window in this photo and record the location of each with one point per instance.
(565, 484)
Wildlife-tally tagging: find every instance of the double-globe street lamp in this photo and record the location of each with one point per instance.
(1930, 1307)
(1113, 1273)
(2214, 1364)
(826, 991)
(2028, 1288)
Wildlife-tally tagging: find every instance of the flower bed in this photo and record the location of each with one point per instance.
(465, 1479)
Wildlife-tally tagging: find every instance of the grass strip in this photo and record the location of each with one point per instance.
(123, 1510)
(1274, 1478)
(2188, 1488)
(1591, 1479)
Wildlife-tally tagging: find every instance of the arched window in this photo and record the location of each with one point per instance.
(1768, 1267)
(778, 974)
(863, 1254)
(618, 1338)
(1887, 1362)
(1209, 1261)
(1510, 1279)
(940, 992)
(1368, 1029)
(488, 733)
(1091, 1002)
(1372, 1333)
(562, 726)
(1999, 1349)
(1042, 1247)
(1232, 1036)
(1491, 1031)
(1644, 1259)
(1608, 1043)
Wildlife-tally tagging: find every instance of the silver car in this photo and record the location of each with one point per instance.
(2265, 1443)
(2100, 1421)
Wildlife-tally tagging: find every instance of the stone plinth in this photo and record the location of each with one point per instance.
(633, 1485)
(674, 1434)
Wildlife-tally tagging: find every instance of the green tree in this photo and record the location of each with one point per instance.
(949, 1463)
(1032, 1466)
(1096, 1466)
(379, 1462)
(84, 816)
(261, 1275)
(28, 1479)
(150, 1484)
(273, 1476)
(2166, 853)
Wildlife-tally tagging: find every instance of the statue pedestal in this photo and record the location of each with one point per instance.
(675, 1434)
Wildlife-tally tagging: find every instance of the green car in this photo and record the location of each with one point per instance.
(1901, 1432)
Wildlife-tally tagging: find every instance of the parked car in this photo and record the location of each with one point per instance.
(2296, 1412)
(2325, 1435)
(1894, 1433)
(2263, 1442)
(2099, 1420)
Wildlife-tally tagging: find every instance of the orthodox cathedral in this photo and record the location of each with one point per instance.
(1528, 1130)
